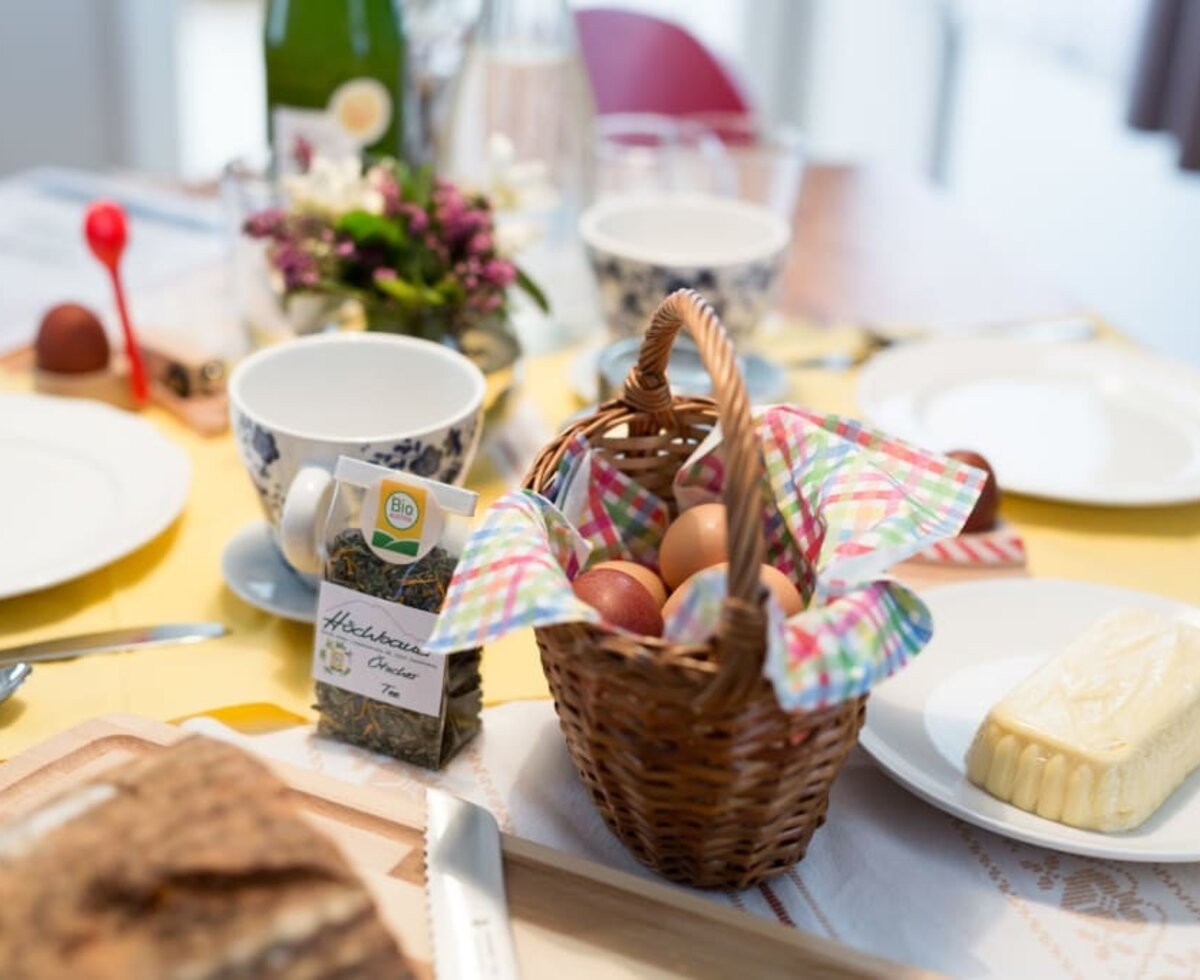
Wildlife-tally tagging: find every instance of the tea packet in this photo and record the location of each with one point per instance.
(392, 542)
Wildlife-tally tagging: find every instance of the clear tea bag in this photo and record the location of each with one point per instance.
(392, 541)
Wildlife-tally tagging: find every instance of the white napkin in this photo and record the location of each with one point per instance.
(887, 873)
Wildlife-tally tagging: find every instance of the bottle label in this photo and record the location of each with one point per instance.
(372, 647)
(358, 113)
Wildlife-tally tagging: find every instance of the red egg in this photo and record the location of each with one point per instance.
(642, 575)
(983, 515)
(620, 599)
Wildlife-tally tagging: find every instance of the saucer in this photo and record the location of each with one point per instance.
(257, 574)
(765, 380)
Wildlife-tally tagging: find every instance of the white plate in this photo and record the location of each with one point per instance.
(257, 574)
(987, 637)
(81, 485)
(1087, 423)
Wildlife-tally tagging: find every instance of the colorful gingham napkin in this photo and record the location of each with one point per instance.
(846, 499)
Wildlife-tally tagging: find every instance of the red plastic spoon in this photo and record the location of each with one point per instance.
(106, 231)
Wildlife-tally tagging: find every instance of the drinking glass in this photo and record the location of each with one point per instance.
(724, 154)
(250, 185)
(767, 159)
(642, 153)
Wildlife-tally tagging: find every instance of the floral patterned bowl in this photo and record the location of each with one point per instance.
(642, 248)
(397, 401)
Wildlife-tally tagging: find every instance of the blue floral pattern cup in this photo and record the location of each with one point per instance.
(642, 248)
(400, 402)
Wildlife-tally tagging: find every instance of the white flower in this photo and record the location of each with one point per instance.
(517, 185)
(333, 187)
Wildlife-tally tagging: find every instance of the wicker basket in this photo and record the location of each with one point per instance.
(685, 750)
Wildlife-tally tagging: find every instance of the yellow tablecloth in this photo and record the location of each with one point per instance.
(265, 659)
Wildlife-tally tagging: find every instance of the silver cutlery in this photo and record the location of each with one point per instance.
(464, 890)
(15, 661)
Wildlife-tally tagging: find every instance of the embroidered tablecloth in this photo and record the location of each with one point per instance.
(887, 873)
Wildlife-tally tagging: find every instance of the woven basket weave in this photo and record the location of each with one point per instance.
(684, 749)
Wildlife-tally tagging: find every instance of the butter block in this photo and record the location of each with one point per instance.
(1100, 735)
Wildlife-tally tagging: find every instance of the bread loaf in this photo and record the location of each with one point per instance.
(189, 863)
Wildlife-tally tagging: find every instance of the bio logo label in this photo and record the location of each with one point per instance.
(400, 519)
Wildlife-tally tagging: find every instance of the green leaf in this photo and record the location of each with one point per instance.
(533, 291)
(363, 226)
(420, 186)
(451, 291)
(409, 294)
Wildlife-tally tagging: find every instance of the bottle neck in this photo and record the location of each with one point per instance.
(544, 23)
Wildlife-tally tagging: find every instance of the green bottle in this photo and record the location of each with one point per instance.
(336, 78)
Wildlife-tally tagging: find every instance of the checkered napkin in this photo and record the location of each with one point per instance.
(848, 502)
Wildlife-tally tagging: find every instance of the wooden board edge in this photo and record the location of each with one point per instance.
(812, 950)
(103, 728)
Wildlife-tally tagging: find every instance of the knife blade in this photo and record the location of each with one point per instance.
(128, 638)
(464, 890)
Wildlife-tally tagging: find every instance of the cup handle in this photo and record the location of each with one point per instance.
(303, 517)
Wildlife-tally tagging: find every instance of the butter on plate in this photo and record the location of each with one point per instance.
(1101, 734)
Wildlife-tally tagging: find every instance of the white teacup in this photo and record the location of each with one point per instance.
(404, 403)
(644, 247)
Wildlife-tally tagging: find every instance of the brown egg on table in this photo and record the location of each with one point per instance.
(780, 586)
(72, 358)
(694, 541)
(71, 340)
(983, 515)
(641, 574)
(620, 599)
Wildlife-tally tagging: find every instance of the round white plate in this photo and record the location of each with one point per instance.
(1087, 423)
(81, 485)
(987, 637)
(256, 573)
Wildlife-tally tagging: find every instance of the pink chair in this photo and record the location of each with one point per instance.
(639, 63)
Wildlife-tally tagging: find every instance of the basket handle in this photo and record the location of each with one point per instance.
(741, 632)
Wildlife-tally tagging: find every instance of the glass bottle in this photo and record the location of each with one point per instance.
(336, 78)
(520, 128)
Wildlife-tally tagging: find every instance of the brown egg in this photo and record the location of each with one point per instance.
(640, 574)
(71, 340)
(620, 599)
(983, 515)
(786, 594)
(694, 541)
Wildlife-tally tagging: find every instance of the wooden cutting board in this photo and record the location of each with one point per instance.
(570, 917)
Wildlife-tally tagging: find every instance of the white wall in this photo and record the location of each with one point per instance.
(222, 84)
(871, 88)
(87, 83)
(1043, 161)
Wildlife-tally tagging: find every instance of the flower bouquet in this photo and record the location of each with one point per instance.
(411, 253)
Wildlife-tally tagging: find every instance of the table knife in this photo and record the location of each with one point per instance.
(464, 891)
(129, 638)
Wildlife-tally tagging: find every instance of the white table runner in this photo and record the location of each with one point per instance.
(887, 873)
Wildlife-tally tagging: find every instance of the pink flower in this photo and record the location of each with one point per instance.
(499, 273)
(270, 223)
(383, 181)
(418, 220)
(481, 243)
